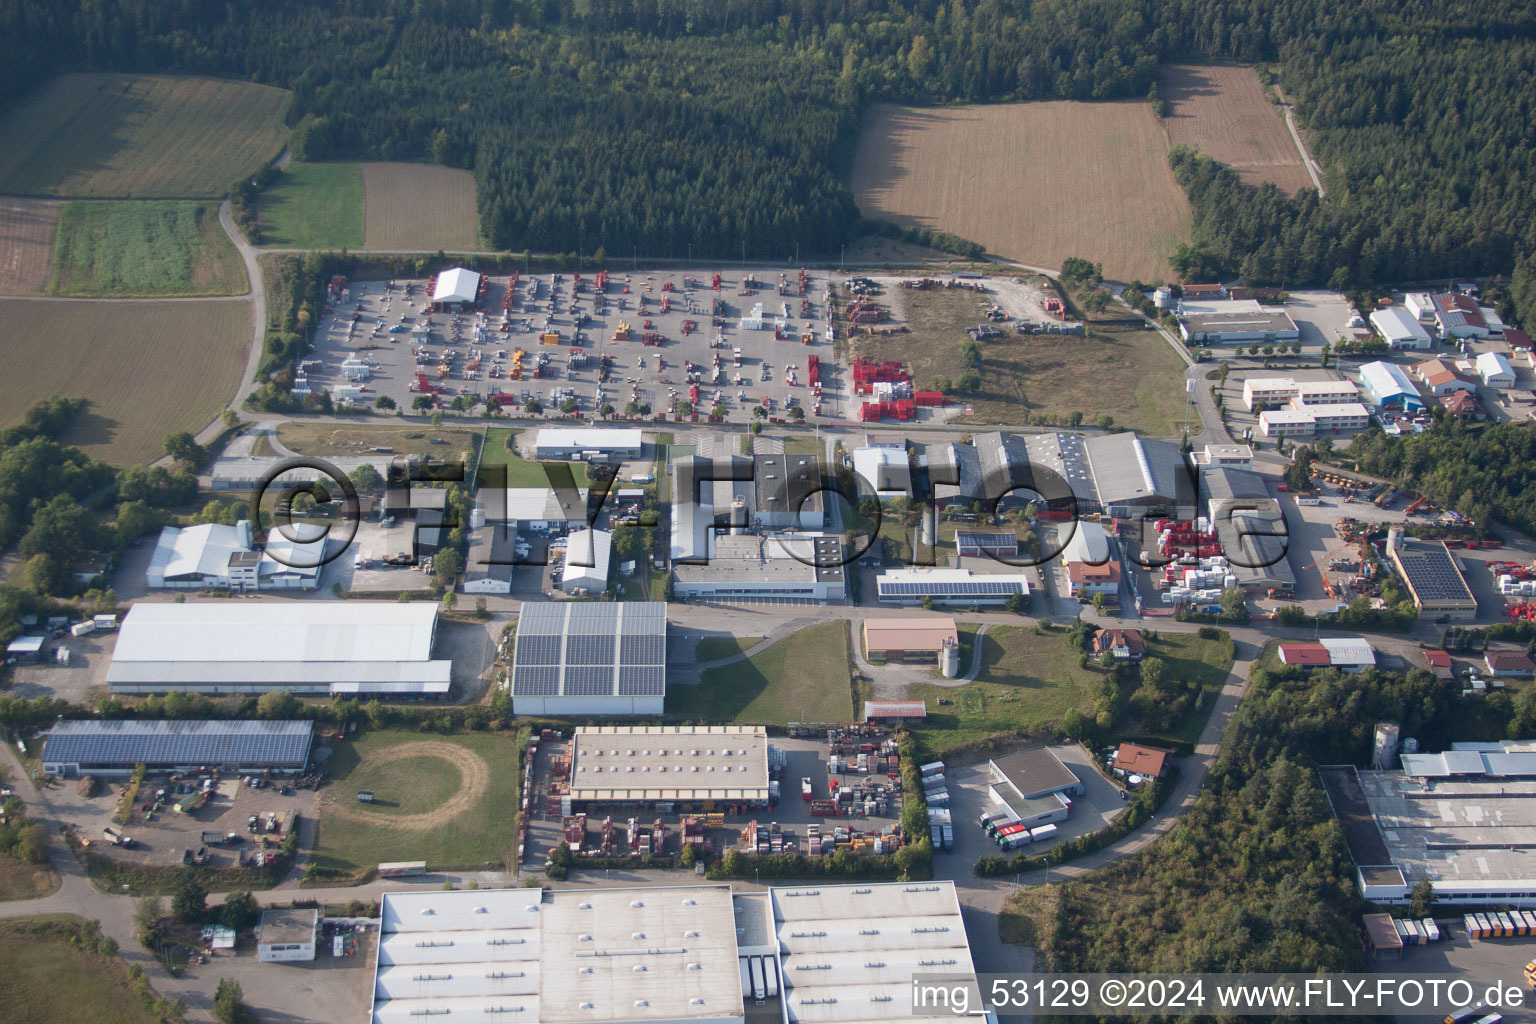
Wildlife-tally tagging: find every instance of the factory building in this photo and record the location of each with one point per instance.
(883, 471)
(1223, 456)
(806, 567)
(788, 492)
(1284, 391)
(579, 658)
(701, 954)
(1433, 578)
(1463, 818)
(315, 648)
(1401, 329)
(1136, 477)
(1351, 654)
(908, 637)
(1090, 569)
(668, 765)
(709, 494)
(1250, 526)
(211, 555)
(1033, 786)
(589, 444)
(1233, 325)
(1386, 385)
(950, 586)
(587, 555)
(105, 747)
(287, 935)
(1495, 370)
(1442, 379)
(488, 564)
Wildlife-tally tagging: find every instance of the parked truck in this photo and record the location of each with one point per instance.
(117, 838)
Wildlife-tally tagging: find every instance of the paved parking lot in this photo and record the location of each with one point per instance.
(1482, 962)
(392, 331)
(1320, 316)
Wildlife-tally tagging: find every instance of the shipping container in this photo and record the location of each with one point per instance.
(759, 985)
(932, 768)
(746, 978)
(771, 976)
(1431, 930)
(1043, 832)
(397, 869)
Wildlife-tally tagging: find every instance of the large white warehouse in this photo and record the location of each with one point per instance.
(613, 443)
(318, 647)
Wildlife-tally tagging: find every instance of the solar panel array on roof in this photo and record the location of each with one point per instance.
(105, 743)
(581, 649)
(962, 589)
(1433, 576)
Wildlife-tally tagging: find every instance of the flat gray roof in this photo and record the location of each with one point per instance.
(656, 762)
(287, 925)
(1035, 770)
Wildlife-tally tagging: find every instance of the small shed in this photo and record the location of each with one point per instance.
(1381, 938)
(895, 710)
(25, 649)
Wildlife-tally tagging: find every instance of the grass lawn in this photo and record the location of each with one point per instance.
(802, 678)
(411, 788)
(801, 444)
(20, 881)
(712, 648)
(314, 206)
(521, 472)
(1027, 681)
(48, 979)
(310, 438)
(120, 249)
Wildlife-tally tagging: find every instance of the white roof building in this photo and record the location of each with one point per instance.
(1401, 328)
(531, 956)
(884, 470)
(949, 586)
(1349, 653)
(456, 285)
(346, 647)
(587, 553)
(1495, 370)
(565, 442)
(1088, 543)
(213, 555)
(1386, 384)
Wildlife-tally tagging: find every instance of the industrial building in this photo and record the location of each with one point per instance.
(590, 444)
(541, 508)
(884, 470)
(788, 492)
(823, 954)
(1459, 316)
(708, 494)
(1090, 569)
(456, 290)
(895, 712)
(1433, 578)
(1495, 370)
(489, 561)
(1351, 654)
(807, 567)
(1000, 542)
(1136, 477)
(1464, 819)
(1286, 391)
(668, 764)
(578, 658)
(287, 935)
(587, 555)
(908, 637)
(1223, 456)
(1238, 322)
(950, 586)
(109, 747)
(1442, 379)
(325, 647)
(211, 555)
(1033, 786)
(1401, 329)
(1250, 526)
(1386, 385)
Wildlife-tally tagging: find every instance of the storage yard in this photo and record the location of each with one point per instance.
(853, 798)
(1095, 175)
(139, 136)
(646, 337)
(149, 368)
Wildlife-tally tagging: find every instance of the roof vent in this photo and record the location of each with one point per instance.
(638, 903)
(639, 968)
(637, 935)
(427, 911)
(588, 1006)
(690, 934)
(695, 1001)
(481, 910)
(583, 906)
(585, 970)
(690, 902)
(583, 938)
(695, 967)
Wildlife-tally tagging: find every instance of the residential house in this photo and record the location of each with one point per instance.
(1124, 644)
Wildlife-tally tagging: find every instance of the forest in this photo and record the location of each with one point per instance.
(669, 127)
(1484, 473)
(1257, 877)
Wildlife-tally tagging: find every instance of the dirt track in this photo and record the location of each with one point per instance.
(474, 777)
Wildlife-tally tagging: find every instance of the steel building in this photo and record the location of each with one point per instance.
(490, 560)
(1495, 370)
(1136, 477)
(805, 567)
(884, 470)
(94, 746)
(1262, 325)
(981, 542)
(287, 935)
(321, 647)
(908, 637)
(611, 444)
(1433, 578)
(668, 764)
(788, 492)
(1250, 526)
(576, 658)
(1401, 329)
(949, 586)
(587, 556)
(1386, 385)
(1033, 786)
(213, 555)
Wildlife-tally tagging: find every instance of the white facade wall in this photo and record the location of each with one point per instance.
(557, 707)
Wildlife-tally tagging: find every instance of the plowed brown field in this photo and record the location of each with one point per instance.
(418, 206)
(148, 367)
(1036, 182)
(1224, 113)
(27, 228)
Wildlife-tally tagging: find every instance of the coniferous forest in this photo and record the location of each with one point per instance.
(668, 125)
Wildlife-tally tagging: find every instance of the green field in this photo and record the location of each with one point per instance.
(1027, 682)
(314, 206)
(426, 807)
(1190, 658)
(124, 249)
(712, 648)
(802, 678)
(49, 979)
(139, 136)
(521, 472)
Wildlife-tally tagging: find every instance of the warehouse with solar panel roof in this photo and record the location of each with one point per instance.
(110, 748)
(580, 658)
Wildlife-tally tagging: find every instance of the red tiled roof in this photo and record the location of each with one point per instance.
(1109, 572)
(1461, 403)
(1517, 338)
(1304, 654)
(1437, 659)
(1509, 661)
(1150, 761)
(1109, 639)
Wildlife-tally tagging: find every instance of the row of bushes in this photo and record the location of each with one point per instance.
(941, 240)
(1139, 813)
